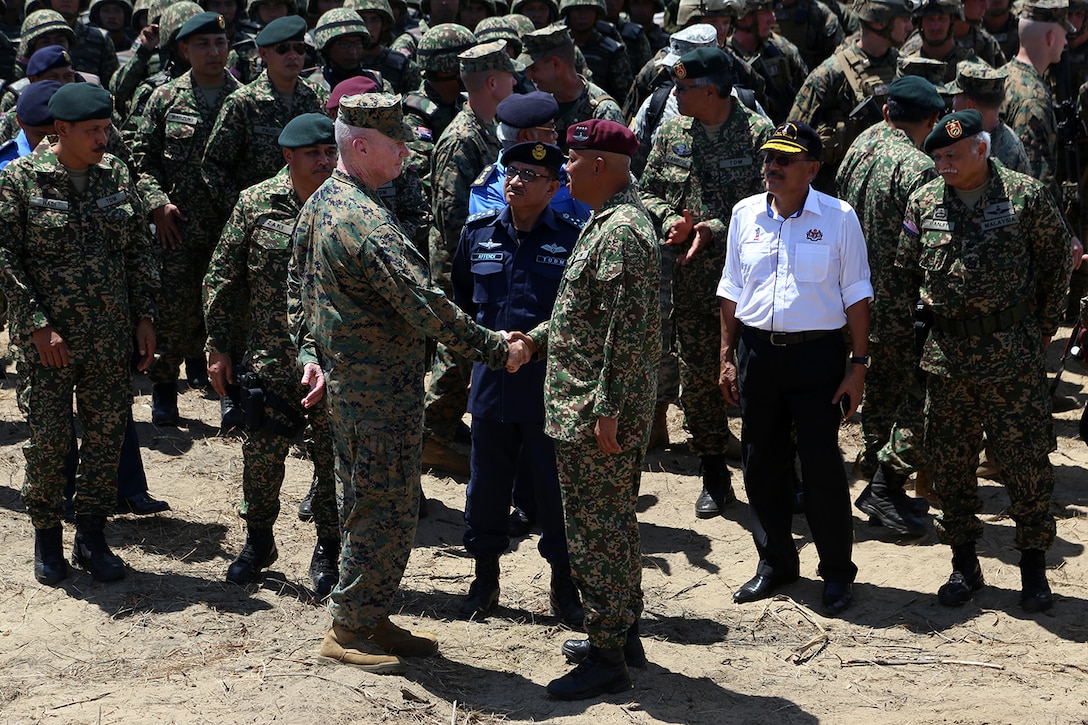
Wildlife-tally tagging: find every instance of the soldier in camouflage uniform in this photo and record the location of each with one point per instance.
(882, 168)
(168, 148)
(602, 348)
(395, 67)
(936, 25)
(605, 56)
(969, 33)
(507, 28)
(634, 39)
(145, 61)
(811, 26)
(993, 274)
(80, 277)
(830, 97)
(115, 17)
(92, 50)
(542, 13)
(42, 28)
(51, 63)
(249, 269)
(702, 163)
(1001, 23)
(549, 64)
(361, 307)
(981, 87)
(641, 12)
(340, 37)
(467, 145)
(773, 56)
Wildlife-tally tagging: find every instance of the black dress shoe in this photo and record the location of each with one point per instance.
(837, 597)
(141, 504)
(761, 586)
(891, 507)
(706, 507)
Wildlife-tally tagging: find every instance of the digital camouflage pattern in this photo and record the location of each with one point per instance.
(364, 306)
(1029, 111)
(440, 46)
(689, 170)
(959, 53)
(1011, 247)
(83, 263)
(249, 271)
(1006, 147)
(593, 102)
(401, 71)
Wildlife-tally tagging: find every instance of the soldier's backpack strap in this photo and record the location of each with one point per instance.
(747, 96)
(598, 100)
(611, 46)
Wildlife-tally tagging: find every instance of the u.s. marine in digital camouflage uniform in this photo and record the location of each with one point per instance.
(928, 43)
(810, 25)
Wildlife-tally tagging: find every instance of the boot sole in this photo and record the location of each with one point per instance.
(385, 668)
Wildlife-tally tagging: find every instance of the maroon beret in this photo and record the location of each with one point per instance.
(351, 87)
(602, 135)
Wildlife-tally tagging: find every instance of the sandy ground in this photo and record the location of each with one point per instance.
(173, 642)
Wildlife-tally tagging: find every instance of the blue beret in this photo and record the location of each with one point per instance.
(33, 105)
(281, 30)
(76, 102)
(203, 24)
(527, 110)
(952, 128)
(309, 129)
(48, 58)
(534, 152)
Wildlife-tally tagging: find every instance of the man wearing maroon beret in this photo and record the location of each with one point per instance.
(602, 345)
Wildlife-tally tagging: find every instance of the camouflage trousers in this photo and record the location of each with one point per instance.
(446, 397)
(698, 337)
(378, 471)
(599, 496)
(668, 370)
(103, 394)
(1015, 416)
(265, 451)
(891, 420)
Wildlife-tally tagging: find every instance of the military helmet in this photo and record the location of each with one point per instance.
(151, 10)
(689, 10)
(173, 17)
(251, 7)
(598, 5)
(553, 8)
(500, 28)
(884, 11)
(520, 23)
(338, 22)
(940, 7)
(37, 24)
(96, 6)
(30, 6)
(439, 46)
(372, 6)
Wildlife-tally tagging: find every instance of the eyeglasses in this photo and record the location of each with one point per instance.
(546, 129)
(526, 176)
(285, 48)
(782, 160)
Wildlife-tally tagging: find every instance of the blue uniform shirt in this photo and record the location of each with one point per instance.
(507, 284)
(486, 193)
(16, 148)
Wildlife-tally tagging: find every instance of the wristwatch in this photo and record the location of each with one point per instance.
(862, 360)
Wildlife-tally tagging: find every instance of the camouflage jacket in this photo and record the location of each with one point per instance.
(1029, 111)
(592, 103)
(603, 339)
(783, 70)
(984, 45)
(608, 62)
(913, 49)
(689, 170)
(84, 264)
(812, 27)
(363, 294)
(881, 170)
(244, 144)
(94, 53)
(143, 64)
(1005, 146)
(1011, 248)
(397, 68)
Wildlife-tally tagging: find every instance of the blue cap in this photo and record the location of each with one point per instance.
(536, 153)
(527, 110)
(281, 30)
(48, 58)
(33, 105)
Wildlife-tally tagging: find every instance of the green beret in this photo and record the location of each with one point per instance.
(379, 111)
(281, 30)
(203, 24)
(952, 128)
(488, 57)
(916, 91)
(75, 102)
(702, 62)
(309, 129)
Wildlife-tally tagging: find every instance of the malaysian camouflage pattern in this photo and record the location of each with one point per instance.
(363, 306)
(83, 263)
(440, 46)
(881, 170)
(689, 170)
(243, 148)
(336, 23)
(141, 65)
(249, 271)
(603, 342)
(1029, 111)
(94, 52)
(812, 27)
(168, 149)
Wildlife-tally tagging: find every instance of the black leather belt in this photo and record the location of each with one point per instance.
(781, 339)
(986, 325)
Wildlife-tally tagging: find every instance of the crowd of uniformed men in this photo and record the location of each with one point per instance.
(420, 150)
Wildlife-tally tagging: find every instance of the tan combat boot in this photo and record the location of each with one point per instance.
(397, 640)
(352, 648)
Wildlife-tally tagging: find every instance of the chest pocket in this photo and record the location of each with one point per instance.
(812, 262)
(488, 280)
(937, 251)
(49, 228)
(180, 139)
(271, 248)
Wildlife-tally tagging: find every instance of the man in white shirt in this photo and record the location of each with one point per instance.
(796, 272)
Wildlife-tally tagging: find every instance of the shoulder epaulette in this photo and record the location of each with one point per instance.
(485, 214)
(485, 174)
(572, 220)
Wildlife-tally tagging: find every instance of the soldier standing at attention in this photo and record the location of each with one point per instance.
(771, 55)
(80, 275)
(249, 271)
(395, 67)
(989, 253)
(606, 57)
(603, 342)
(362, 305)
(702, 163)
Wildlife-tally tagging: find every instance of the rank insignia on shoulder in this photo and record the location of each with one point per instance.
(572, 219)
(485, 214)
(484, 175)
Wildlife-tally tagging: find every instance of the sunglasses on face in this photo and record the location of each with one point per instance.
(285, 48)
(526, 176)
(782, 160)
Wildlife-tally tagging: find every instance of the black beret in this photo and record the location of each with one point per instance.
(281, 30)
(702, 62)
(952, 128)
(916, 91)
(203, 24)
(48, 58)
(76, 102)
(527, 110)
(33, 105)
(602, 135)
(534, 152)
(794, 137)
(309, 129)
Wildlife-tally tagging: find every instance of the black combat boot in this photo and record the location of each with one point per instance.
(91, 551)
(576, 650)
(483, 593)
(306, 506)
(603, 671)
(966, 577)
(717, 490)
(258, 553)
(164, 404)
(325, 566)
(564, 599)
(231, 415)
(49, 564)
(885, 500)
(1035, 593)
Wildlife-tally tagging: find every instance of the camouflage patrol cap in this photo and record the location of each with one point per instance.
(689, 10)
(206, 23)
(48, 58)
(337, 23)
(499, 27)
(380, 111)
(540, 42)
(915, 65)
(75, 102)
(174, 16)
(281, 30)
(566, 5)
(307, 129)
(952, 128)
(372, 6)
(978, 80)
(700, 35)
(1047, 11)
(487, 57)
(440, 46)
(916, 91)
(39, 23)
(524, 25)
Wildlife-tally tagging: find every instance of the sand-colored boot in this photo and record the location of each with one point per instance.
(353, 648)
(399, 641)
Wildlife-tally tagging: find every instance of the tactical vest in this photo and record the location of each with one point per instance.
(390, 64)
(803, 25)
(867, 92)
(599, 56)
